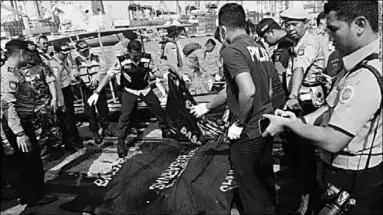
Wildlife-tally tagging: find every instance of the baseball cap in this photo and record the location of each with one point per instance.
(131, 35)
(265, 25)
(173, 30)
(17, 44)
(294, 13)
(63, 48)
(82, 45)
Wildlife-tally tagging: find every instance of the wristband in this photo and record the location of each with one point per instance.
(21, 133)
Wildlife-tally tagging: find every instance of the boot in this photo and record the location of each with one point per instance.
(121, 148)
(97, 138)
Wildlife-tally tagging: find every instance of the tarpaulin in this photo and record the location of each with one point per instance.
(168, 177)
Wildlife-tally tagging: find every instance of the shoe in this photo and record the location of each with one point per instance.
(107, 133)
(97, 138)
(121, 148)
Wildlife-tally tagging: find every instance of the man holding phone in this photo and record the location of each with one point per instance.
(248, 94)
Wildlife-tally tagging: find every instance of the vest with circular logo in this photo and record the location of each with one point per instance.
(88, 67)
(135, 76)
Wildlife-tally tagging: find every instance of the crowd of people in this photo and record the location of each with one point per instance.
(319, 90)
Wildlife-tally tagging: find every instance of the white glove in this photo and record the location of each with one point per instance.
(199, 110)
(165, 75)
(234, 132)
(217, 77)
(93, 99)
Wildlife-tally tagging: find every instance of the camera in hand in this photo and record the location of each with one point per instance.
(338, 201)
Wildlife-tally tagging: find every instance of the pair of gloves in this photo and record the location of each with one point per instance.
(234, 131)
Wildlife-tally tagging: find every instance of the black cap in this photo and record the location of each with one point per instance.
(131, 35)
(63, 47)
(17, 44)
(173, 30)
(82, 45)
(266, 24)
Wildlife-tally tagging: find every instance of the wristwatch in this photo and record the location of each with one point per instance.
(292, 96)
(21, 133)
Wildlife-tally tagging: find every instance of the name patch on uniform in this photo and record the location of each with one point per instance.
(146, 65)
(128, 66)
(12, 85)
(346, 94)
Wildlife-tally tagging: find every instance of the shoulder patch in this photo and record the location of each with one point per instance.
(346, 94)
(301, 50)
(12, 85)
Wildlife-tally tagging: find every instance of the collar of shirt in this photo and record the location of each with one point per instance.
(353, 59)
(240, 37)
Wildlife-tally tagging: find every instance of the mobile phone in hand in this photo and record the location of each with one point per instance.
(263, 124)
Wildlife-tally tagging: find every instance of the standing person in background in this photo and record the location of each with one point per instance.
(170, 52)
(196, 68)
(91, 72)
(65, 74)
(323, 36)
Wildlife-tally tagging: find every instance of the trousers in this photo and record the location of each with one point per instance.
(254, 175)
(67, 118)
(90, 112)
(30, 187)
(129, 105)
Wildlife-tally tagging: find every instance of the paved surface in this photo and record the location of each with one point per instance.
(91, 161)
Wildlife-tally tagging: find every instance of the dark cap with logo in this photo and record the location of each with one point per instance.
(265, 25)
(131, 35)
(82, 45)
(173, 30)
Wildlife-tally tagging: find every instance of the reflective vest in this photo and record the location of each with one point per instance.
(88, 67)
(134, 76)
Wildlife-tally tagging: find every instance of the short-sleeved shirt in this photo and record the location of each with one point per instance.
(16, 96)
(308, 55)
(62, 71)
(353, 103)
(245, 55)
(172, 54)
(324, 41)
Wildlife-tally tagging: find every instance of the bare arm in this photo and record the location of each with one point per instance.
(246, 94)
(218, 100)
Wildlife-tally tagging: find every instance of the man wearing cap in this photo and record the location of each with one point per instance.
(305, 94)
(274, 35)
(135, 69)
(65, 74)
(18, 105)
(91, 71)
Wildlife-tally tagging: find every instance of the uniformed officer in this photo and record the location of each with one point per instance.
(42, 79)
(348, 128)
(91, 71)
(135, 70)
(65, 74)
(305, 92)
(274, 35)
(248, 94)
(18, 104)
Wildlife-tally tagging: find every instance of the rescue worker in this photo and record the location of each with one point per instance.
(135, 69)
(65, 74)
(42, 79)
(323, 36)
(18, 105)
(347, 130)
(274, 35)
(201, 76)
(91, 71)
(248, 95)
(305, 94)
